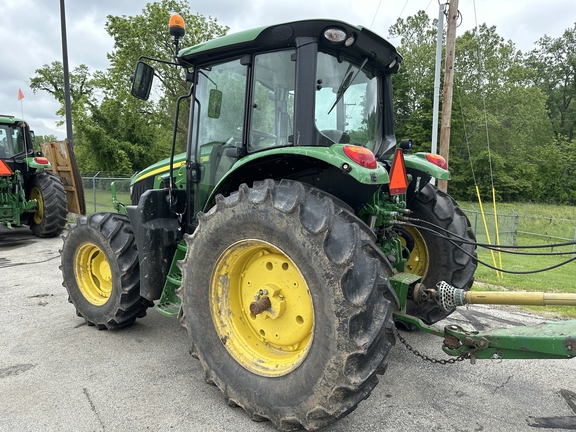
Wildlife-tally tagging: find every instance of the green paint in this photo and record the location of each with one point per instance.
(419, 162)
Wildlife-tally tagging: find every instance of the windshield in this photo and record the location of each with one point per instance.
(11, 141)
(347, 108)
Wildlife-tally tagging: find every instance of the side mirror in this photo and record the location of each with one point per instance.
(214, 103)
(32, 136)
(142, 81)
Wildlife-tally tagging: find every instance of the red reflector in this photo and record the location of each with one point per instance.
(398, 177)
(437, 160)
(41, 160)
(361, 155)
(4, 169)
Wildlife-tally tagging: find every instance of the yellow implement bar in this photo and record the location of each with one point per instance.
(520, 298)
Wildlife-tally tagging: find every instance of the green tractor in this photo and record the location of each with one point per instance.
(29, 194)
(295, 231)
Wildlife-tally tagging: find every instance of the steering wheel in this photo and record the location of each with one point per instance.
(259, 136)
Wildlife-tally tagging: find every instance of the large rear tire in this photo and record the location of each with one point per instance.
(311, 355)
(434, 258)
(50, 218)
(101, 271)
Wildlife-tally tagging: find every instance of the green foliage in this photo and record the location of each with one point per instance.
(554, 65)
(512, 115)
(114, 131)
(39, 139)
(414, 84)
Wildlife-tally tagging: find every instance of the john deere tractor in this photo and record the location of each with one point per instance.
(29, 194)
(293, 233)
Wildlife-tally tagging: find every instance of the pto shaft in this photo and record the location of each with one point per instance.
(449, 298)
(520, 298)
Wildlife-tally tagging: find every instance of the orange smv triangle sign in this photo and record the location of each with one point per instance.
(398, 177)
(4, 169)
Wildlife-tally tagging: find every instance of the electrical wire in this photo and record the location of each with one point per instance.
(376, 13)
(475, 258)
(504, 248)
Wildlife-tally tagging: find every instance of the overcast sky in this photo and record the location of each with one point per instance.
(31, 36)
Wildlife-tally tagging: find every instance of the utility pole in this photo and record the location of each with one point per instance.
(448, 83)
(69, 137)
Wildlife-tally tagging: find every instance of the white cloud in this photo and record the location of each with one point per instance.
(33, 37)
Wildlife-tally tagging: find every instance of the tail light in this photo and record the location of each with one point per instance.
(437, 160)
(361, 155)
(41, 160)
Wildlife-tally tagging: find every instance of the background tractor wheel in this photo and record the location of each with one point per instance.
(433, 257)
(288, 305)
(101, 271)
(50, 218)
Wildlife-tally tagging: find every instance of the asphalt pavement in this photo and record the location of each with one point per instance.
(58, 374)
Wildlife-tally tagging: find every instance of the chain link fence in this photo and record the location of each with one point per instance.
(514, 229)
(98, 193)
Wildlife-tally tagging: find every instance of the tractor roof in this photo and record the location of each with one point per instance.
(279, 36)
(8, 119)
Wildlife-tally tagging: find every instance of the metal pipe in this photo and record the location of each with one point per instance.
(67, 102)
(436, 102)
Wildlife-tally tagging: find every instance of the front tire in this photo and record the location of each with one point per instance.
(434, 258)
(50, 218)
(101, 271)
(312, 355)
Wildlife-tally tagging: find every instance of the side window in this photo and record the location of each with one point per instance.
(218, 118)
(272, 110)
(18, 140)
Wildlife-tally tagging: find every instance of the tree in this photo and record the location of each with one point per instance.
(147, 35)
(114, 131)
(83, 84)
(414, 84)
(554, 64)
(496, 108)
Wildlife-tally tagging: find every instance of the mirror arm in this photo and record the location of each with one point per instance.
(173, 149)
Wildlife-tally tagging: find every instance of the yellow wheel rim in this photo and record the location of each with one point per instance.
(419, 256)
(39, 215)
(274, 341)
(93, 274)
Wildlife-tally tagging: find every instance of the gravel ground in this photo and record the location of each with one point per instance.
(58, 374)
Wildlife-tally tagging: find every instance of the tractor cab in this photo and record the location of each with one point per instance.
(282, 102)
(16, 140)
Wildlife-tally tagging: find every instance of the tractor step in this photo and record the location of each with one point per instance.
(169, 304)
(168, 309)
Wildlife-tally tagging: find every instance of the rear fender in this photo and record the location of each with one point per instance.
(326, 168)
(418, 162)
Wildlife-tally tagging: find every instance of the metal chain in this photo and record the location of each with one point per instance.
(429, 359)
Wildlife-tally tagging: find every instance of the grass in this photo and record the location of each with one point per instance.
(548, 221)
(103, 200)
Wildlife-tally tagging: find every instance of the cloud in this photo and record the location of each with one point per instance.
(32, 35)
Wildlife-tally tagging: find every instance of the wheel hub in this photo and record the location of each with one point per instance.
(93, 274)
(39, 213)
(261, 308)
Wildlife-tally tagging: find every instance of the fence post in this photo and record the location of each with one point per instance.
(574, 245)
(515, 229)
(94, 189)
